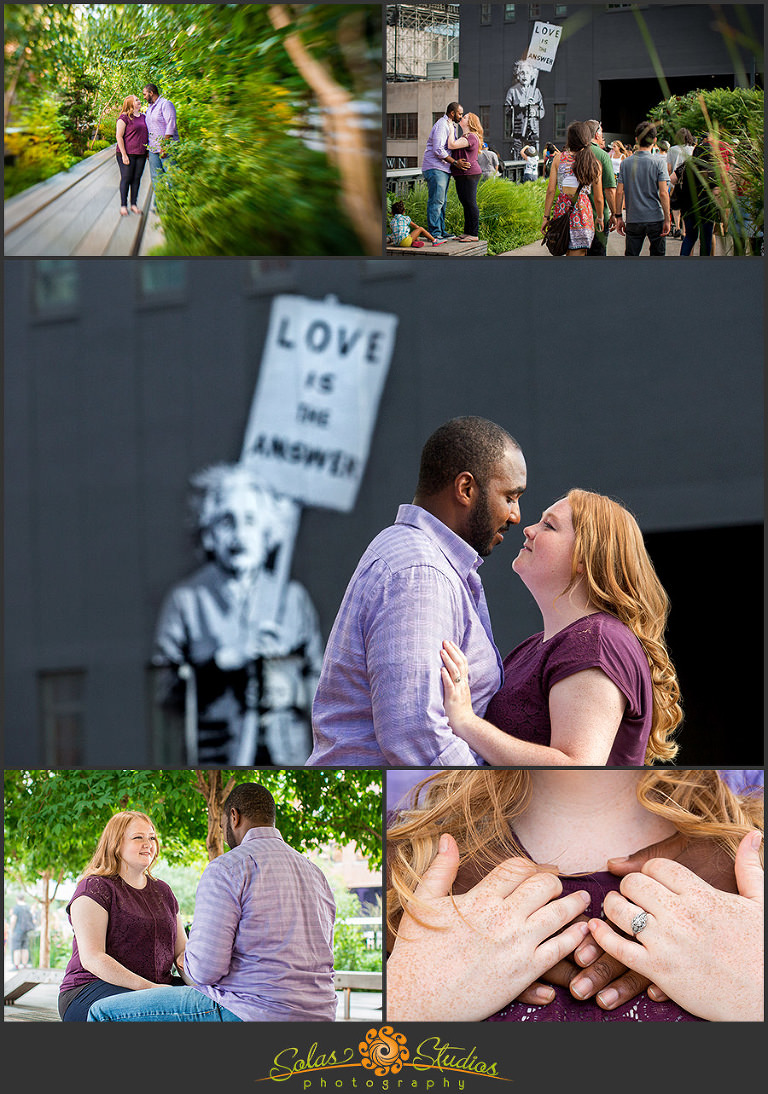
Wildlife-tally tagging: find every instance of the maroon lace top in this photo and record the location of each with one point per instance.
(521, 706)
(564, 1008)
(141, 931)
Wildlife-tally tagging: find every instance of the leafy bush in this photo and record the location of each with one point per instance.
(735, 117)
(510, 213)
(40, 147)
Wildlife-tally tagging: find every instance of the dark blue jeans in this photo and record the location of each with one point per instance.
(695, 230)
(77, 1011)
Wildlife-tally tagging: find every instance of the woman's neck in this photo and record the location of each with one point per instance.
(578, 819)
(560, 611)
(137, 879)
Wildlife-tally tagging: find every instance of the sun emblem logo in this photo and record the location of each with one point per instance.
(383, 1051)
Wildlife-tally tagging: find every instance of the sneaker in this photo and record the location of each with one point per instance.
(417, 243)
(439, 240)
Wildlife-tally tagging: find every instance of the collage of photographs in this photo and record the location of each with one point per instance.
(381, 658)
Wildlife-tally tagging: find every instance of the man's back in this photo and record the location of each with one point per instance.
(640, 176)
(262, 940)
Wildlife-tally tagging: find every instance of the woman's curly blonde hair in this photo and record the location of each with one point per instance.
(611, 558)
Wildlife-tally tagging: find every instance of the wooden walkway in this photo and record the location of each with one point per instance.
(451, 249)
(77, 213)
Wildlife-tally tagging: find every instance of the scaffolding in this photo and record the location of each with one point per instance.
(419, 35)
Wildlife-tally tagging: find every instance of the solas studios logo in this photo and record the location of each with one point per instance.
(383, 1061)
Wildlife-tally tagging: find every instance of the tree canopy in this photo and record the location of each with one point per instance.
(278, 109)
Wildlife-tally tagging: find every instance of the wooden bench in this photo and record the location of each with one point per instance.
(26, 979)
(348, 981)
(451, 249)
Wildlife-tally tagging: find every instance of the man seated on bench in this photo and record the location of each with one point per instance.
(261, 945)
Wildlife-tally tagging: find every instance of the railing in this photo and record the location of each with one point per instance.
(402, 179)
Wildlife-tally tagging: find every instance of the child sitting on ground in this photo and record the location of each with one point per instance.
(403, 230)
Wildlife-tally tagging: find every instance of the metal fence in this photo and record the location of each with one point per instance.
(402, 179)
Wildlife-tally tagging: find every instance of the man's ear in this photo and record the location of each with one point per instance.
(464, 488)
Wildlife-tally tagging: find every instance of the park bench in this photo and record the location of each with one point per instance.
(26, 979)
(348, 981)
(76, 213)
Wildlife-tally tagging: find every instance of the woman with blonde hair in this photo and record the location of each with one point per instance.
(473, 920)
(132, 137)
(597, 686)
(575, 173)
(467, 173)
(128, 931)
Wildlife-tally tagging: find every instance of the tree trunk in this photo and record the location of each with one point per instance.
(45, 924)
(342, 135)
(209, 784)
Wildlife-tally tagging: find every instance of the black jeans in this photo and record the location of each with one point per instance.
(636, 234)
(466, 191)
(130, 176)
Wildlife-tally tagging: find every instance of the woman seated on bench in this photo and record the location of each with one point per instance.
(128, 931)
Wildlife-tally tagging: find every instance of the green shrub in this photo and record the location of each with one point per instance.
(40, 147)
(510, 213)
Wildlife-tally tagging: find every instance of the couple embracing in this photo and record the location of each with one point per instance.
(412, 676)
(453, 146)
(140, 135)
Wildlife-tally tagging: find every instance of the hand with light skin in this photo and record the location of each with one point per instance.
(702, 946)
(465, 957)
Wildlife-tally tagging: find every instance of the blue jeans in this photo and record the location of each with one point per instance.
(695, 230)
(77, 1011)
(437, 198)
(160, 1005)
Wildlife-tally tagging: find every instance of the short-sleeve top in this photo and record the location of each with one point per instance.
(136, 134)
(400, 226)
(141, 930)
(521, 706)
(469, 153)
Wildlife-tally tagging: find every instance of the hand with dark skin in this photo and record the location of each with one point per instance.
(592, 972)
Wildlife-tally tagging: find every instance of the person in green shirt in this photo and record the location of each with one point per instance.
(600, 242)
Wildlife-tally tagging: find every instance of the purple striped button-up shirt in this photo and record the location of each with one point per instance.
(380, 697)
(261, 943)
(436, 148)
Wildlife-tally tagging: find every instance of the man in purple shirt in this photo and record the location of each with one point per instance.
(261, 944)
(161, 124)
(436, 169)
(379, 701)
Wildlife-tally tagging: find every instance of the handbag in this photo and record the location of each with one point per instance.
(557, 234)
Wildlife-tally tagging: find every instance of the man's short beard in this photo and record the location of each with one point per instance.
(480, 534)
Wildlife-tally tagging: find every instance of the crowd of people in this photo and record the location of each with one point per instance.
(653, 190)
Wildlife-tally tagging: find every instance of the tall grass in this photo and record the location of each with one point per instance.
(510, 213)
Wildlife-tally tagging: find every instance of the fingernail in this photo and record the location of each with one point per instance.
(618, 860)
(586, 897)
(609, 997)
(588, 954)
(544, 994)
(755, 840)
(654, 993)
(442, 846)
(582, 987)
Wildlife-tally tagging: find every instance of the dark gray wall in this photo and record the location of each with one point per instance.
(641, 380)
(602, 47)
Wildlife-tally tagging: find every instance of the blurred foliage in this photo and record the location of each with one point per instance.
(39, 148)
(733, 118)
(510, 213)
(253, 173)
(350, 951)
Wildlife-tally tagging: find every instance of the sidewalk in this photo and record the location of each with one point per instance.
(616, 244)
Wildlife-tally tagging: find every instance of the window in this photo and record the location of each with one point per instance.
(485, 14)
(271, 275)
(510, 13)
(534, 11)
(62, 704)
(484, 114)
(161, 280)
(55, 288)
(437, 115)
(560, 125)
(403, 127)
(561, 10)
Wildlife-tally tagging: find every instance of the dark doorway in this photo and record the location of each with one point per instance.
(625, 103)
(714, 579)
